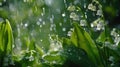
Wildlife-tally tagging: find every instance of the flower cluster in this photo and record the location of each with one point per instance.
(29, 55)
(116, 36)
(98, 24)
(55, 44)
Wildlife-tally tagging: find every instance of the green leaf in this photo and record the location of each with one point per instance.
(86, 43)
(2, 28)
(32, 45)
(6, 40)
(74, 39)
(10, 36)
(101, 38)
(40, 50)
(6, 37)
(105, 36)
(66, 42)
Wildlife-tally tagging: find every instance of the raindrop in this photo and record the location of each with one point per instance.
(26, 24)
(76, 2)
(49, 2)
(69, 50)
(84, 5)
(13, 46)
(65, 3)
(81, 16)
(50, 28)
(112, 64)
(60, 24)
(43, 22)
(40, 19)
(63, 29)
(21, 24)
(72, 29)
(58, 10)
(43, 11)
(19, 44)
(63, 15)
(85, 15)
(111, 58)
(52, 25)
(41, 40)
(25, 0)
(54, 29)
(40, 26)
(38, 23)
(42, 14)
(51, 20)
(113, 33)
(117, 40)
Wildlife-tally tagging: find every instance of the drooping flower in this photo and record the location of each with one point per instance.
(71, 8)
(99, 13)
(74, 16)
(83, 23)
(92, 7)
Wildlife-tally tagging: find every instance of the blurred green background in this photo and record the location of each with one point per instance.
(38, 20)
